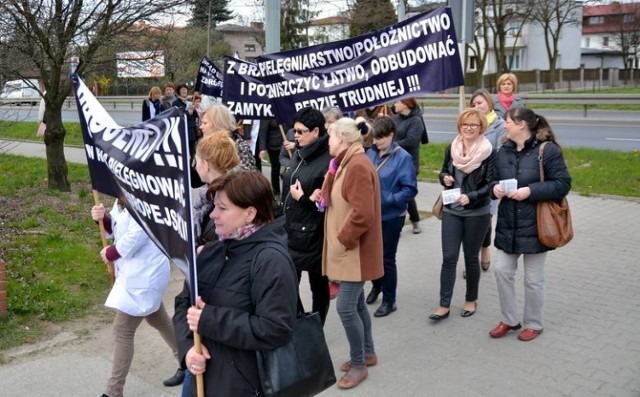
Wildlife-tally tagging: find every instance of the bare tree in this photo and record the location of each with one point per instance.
(554, 16)
(47, 33)
(501, 19)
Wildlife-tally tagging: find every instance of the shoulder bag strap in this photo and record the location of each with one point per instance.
(387, 158)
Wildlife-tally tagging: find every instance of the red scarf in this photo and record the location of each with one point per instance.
(506, 100)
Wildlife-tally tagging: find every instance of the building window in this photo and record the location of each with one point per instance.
(605, 41)
(596, 20)
(513, 61)
(250, 48)
(628, 18)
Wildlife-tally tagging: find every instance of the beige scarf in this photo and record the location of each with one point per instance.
(474, 156)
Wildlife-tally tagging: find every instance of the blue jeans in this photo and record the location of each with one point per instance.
(468, 231)
(186, 383)
(391, 230)
(356, 321)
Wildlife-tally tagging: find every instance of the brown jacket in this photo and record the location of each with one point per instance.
(352, 248)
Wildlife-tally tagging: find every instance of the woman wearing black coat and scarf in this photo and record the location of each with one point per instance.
(516, 230)
(247, 286)
(304, 223)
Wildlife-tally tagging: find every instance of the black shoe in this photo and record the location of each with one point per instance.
(385, 309)
(373, 295)
(176, 379)
(469, 313)
(438, 317)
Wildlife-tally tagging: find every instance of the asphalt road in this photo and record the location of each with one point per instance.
(613, 130)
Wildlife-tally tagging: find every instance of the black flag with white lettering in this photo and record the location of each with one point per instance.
(209, 80)
(148, 165)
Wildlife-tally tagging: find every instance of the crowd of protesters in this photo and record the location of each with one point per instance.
(344, 185)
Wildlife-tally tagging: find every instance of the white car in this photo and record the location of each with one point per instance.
(20, 89)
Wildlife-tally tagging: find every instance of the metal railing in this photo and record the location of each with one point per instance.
(134, 103)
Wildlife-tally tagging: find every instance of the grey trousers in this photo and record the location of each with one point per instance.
(124, 329)
(356, 321)
(506, 266)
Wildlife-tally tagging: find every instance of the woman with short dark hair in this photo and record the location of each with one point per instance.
(398, 185)
(247, 285)
(303, 222)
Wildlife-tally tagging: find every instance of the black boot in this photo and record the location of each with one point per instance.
(176, 379)
(373, 295)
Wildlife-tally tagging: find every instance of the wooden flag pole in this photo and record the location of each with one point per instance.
(284, 139)
(96, 200)
(197, 344)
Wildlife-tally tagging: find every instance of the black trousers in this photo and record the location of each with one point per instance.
(319, 294)
(468, 231)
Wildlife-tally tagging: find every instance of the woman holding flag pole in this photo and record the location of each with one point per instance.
(141, 278)
(247, 286)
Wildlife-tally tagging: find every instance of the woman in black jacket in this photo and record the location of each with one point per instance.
(516, 229)
(468, 166)
(304, 223)
(247, 287)
(151, 105)
(410, 127)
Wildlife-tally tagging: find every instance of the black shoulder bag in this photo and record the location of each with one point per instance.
(302, 366)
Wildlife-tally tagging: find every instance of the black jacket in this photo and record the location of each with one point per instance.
(244, 311)
(475, 185)
(146, 111)
(516, 230)
(304, 223)
(410, 130)
(269, 136)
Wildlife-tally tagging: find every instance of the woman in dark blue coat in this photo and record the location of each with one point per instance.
(516, 230)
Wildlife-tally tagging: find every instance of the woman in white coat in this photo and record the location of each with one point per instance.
(142, 275)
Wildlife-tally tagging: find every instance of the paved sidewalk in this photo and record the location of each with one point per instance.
(590, 345)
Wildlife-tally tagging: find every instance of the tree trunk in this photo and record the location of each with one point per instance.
(58, 172)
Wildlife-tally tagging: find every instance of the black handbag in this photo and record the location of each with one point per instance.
(301, 367)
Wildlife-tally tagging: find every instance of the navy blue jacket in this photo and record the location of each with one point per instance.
(516, 230)
(397, 177)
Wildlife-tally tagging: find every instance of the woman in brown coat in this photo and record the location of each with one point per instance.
(352, 251)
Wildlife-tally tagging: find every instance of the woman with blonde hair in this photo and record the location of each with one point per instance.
(467, 166)
(219, 119)
(496, 134)
(151, 105)
(506, 98)
(352, 250)
(216, 155)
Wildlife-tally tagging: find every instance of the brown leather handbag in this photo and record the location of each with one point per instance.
(553, 218)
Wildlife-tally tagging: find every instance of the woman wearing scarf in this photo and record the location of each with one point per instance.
(507, 98)
(468, 166)
(496, 134)
(352, 251)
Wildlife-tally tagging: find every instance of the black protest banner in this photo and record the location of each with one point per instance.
(244, 91)
(148, 165)
(414, 56)
(210, 79)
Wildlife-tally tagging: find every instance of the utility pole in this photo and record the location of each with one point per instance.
(272, 26)
(209, 30)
